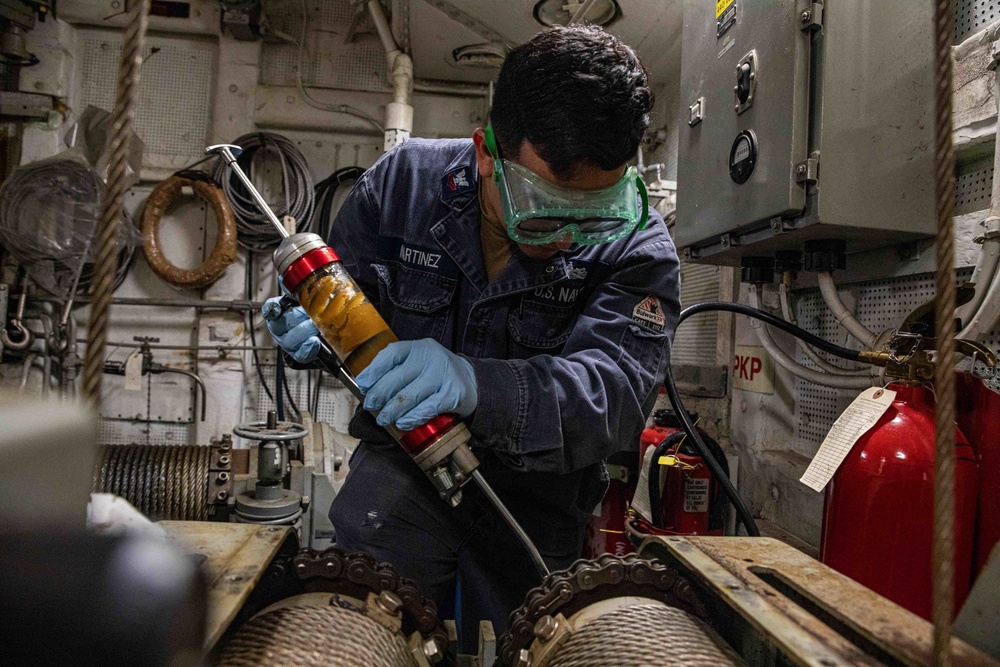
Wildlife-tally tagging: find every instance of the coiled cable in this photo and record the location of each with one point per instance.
(326, 193)
(255, 232)
(48, 218)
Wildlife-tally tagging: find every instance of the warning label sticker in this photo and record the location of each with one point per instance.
(649, 314)
(725, 16)
(696, 494)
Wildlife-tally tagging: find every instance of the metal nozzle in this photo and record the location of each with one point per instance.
(229, 152)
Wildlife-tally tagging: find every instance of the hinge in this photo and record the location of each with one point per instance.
(811, 17)
(807, 171)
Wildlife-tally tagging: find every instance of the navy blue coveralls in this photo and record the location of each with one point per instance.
(568, 355)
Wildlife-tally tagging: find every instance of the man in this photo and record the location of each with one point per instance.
(532, 297)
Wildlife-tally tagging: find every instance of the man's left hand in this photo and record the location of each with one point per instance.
(411, 382)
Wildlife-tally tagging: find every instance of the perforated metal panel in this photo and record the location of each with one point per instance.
(695, 342)
(880, 304)
(114, 432)
(330, 60)
(971, 16)
(973, 187)
(175, 94)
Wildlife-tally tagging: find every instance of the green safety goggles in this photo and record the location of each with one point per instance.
(538, 212)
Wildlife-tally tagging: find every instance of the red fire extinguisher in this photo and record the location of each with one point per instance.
(878, 515)
(688, 502)
(606, 526)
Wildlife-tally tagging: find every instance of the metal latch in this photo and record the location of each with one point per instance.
(807, 171)
(811, 18)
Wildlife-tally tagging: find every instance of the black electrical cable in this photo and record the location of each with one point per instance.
(315, 398)
(253, 336)
(288, 395)
(655, 498)
(326, 192)
(279, 380)
(764, 316)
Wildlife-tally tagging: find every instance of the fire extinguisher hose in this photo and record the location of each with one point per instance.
(742, 511)
(655, 504)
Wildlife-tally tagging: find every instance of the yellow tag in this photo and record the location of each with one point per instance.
(674, 461)
(721, 6)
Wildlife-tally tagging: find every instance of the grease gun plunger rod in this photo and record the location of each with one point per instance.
(229, 153)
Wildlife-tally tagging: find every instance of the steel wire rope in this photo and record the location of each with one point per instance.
(254, 229)
(944, 323)
(123, 120)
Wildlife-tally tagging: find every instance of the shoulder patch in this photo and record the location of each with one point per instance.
(456, 182)
(649, 314)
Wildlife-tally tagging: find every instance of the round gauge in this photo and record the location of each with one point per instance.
(743, 156)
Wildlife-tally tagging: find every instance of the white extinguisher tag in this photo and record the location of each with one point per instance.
(855, 421)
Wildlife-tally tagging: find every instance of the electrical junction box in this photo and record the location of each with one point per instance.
(804, 120)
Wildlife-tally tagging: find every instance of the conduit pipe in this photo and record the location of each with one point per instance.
(980, 314)
(398, 113)
(814, 356)
(844, 316)
(794, 367)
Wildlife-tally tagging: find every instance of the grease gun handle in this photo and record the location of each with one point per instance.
(229, 153)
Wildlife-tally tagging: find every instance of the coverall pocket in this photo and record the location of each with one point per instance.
(418, 300)
(538, 328)
(640, 356)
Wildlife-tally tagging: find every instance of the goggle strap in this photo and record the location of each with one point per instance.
(644, 197)
(491, 142)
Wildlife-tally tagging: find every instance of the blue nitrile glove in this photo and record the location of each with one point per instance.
(292, 330)
(413, 381)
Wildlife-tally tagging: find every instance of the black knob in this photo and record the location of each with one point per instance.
(743, 83)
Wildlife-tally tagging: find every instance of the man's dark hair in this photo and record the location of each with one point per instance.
(578, 94)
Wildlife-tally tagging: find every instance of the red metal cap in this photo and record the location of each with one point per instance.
(300, 269)
(416, 440)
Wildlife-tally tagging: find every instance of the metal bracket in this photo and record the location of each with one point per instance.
(780, 226)
(807, 171)
(728, 241)
(696, 112)
(25, 105)
(811, 18)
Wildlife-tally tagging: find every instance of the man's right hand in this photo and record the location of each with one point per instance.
(292, 330)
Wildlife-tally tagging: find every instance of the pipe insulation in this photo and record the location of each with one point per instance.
(795, 368)
(399, 112)
(164, 482)
(842, 314)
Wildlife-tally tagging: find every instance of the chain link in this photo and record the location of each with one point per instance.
(356, 573)
(586, 582)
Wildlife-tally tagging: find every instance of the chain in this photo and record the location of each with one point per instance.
(355, 574)
(586, 582)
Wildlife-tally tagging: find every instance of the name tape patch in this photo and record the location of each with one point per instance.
(649, 314)
(432, 260)
(456, 182)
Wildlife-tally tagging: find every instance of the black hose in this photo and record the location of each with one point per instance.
(764, 316)
(742, 511)
(655, 499)
(326, 191)
(279, 381)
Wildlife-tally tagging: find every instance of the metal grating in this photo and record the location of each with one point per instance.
(330, 60)
(971, 16)
(175, 94)
(973, 187)
(117, 432)
(880, 304)
(695, 342)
